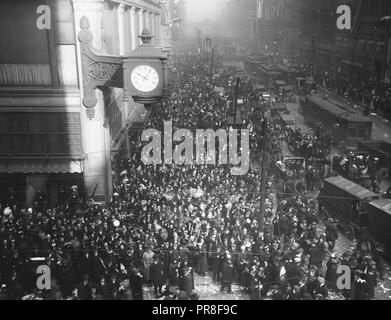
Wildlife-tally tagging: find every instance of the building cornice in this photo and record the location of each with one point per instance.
(147, 5)
(40, 99)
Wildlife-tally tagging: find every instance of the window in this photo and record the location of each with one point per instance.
(25, 44)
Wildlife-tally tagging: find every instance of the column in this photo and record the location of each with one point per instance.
(97, 163)
(157, 29)
(140, 23)
(133, 28)
(145, 20)
(128, 31)
(150, 22)
(121, 28)
(152, 26)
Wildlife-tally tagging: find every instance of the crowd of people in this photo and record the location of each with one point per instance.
(361, 168)
(305, 145)
(165, 224)
(358, 89)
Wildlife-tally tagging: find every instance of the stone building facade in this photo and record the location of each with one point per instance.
(47, 141)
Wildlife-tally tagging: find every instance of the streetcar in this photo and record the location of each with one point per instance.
(379, 224)
(346, 202)
(344, 126)
(381, 150)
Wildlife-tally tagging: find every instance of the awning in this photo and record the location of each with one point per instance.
(40, 166)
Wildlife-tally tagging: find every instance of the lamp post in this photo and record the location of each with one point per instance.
(237, 84)
(264, 145)
(212, 63)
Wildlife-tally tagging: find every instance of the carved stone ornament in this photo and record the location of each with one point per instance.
(97, 70)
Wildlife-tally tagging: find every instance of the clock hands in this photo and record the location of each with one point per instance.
(146, 77)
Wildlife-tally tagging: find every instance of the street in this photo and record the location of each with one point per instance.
(195, 150)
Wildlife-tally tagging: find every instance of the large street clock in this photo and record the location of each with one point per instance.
(143, 73)
(145, 78)
(146, 73)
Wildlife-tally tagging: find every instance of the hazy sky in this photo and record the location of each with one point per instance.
(204, 9)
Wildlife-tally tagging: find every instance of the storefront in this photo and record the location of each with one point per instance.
(40, 153)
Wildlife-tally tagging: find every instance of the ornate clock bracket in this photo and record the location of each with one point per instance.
(100, 71)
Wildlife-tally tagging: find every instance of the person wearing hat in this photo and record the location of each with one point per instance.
(157, 275)
(331, 272)
(360, 288)
(84, 289)
(3, 292)
(227, 271)
(74, 199)
(321, 289)
(102, 288)
(316, 257)
(188, 280)
(331, 233)
(217, 259)
(371, 277)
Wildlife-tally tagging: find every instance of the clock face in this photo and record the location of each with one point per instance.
(145, 78)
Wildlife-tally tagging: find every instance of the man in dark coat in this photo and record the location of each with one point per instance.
(227, 275)
(316, 256)
(293, 273)
(157, 275)
(321, 288)
(85, 289)
(371, 278)
(103, 290)
(331, 273)
(14, 287)
(217, 259)
(331, 233)
(284, 225)
(166, 259)
(188, 281)
(136, 284)
(360, 289)
(86, 264)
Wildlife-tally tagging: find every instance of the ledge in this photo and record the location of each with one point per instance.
(40, 98)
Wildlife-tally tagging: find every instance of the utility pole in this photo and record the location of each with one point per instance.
(237, 84)
(264, 146)
(207, 45)
(212, 63)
